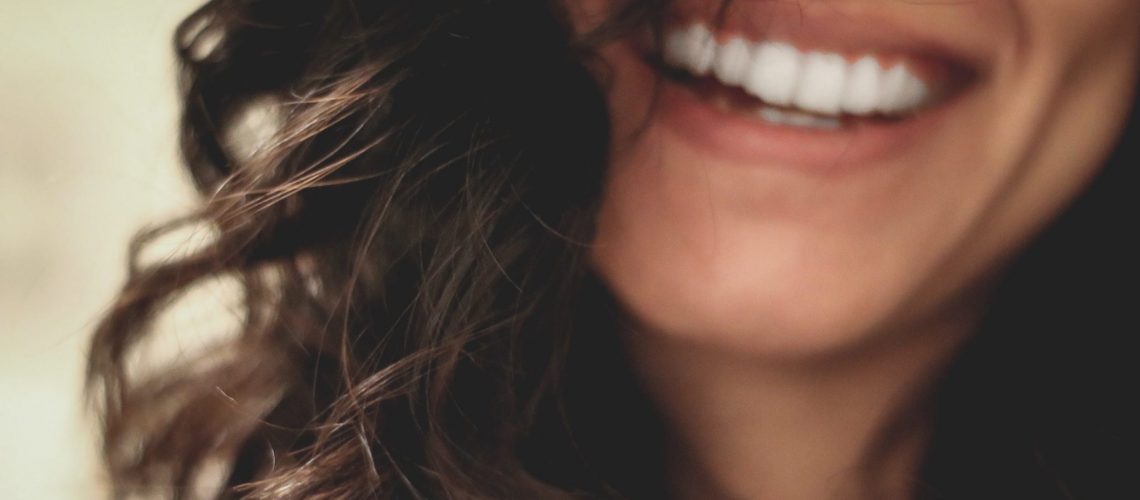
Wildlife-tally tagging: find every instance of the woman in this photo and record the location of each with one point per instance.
(607, 249)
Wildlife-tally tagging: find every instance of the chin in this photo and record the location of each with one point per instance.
(767, 293)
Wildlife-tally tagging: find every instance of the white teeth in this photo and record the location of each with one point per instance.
(775, 73)
(733, 60)
(705, 50)
(823, 83)
(900, 91)
(862, 93)
(693, 49)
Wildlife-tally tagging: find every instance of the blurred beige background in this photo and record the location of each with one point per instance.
(87, 156)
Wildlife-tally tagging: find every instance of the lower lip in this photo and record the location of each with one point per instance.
(750, 141)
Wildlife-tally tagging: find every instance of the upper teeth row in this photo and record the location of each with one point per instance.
(779, 74)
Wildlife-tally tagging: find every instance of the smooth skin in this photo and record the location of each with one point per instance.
(781, 315)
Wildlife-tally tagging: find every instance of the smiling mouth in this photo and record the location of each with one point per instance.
(778, 83)
(824, 96)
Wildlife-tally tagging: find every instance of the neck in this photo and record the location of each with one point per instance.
(752, 428)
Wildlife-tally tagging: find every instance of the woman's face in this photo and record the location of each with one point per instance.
(828, 171)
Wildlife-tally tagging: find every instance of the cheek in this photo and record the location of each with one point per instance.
(1078, 80)
(586, 15)
(1079, 37)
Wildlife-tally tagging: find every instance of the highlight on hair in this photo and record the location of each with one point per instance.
(407, 242)
(405, 226)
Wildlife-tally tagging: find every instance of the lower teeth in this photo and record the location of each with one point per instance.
(780, 116)
(798, 119)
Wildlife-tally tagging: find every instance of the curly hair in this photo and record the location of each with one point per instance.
(418, 321)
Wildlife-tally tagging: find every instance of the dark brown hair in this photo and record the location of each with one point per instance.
(417, 320)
